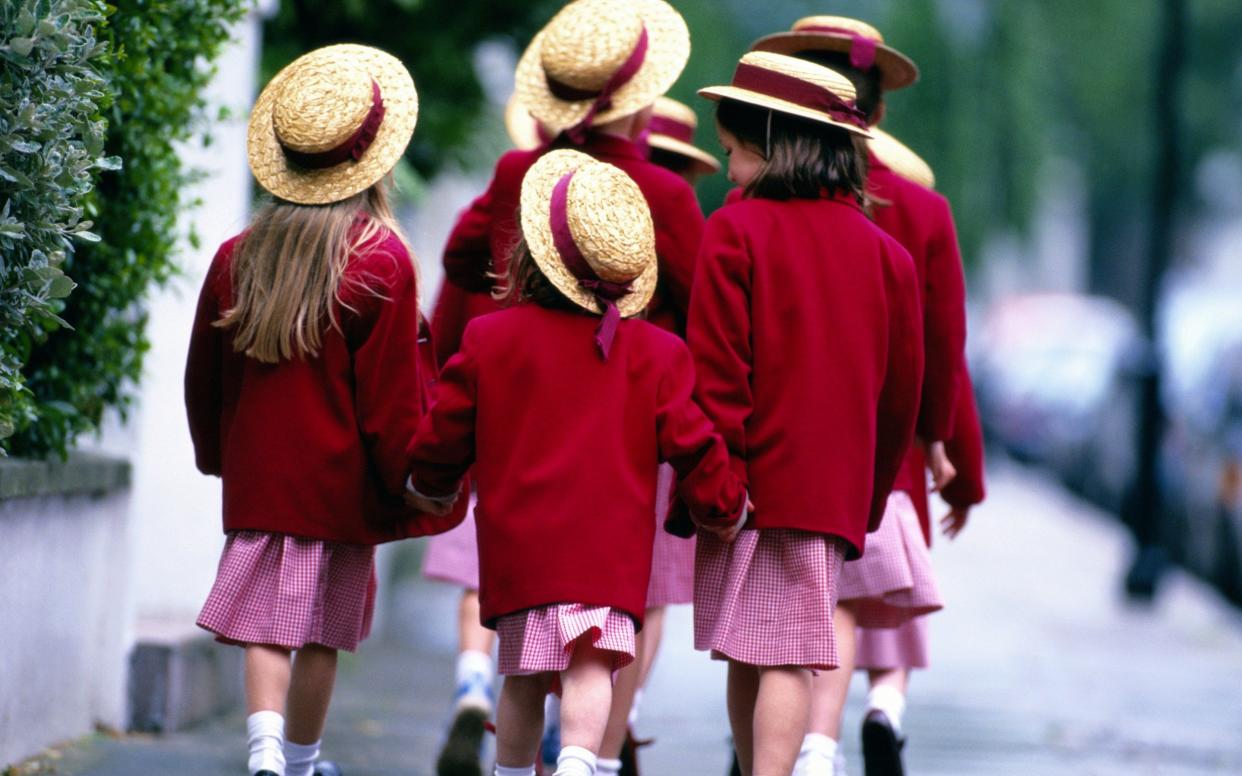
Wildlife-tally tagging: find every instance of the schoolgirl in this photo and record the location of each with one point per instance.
(594, 98)
(670, 141)
(307, 372)
(564, 508)
(893, 582)
(806, 331)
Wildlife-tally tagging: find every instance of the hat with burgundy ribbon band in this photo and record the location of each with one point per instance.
(672, 129)
(331, 124)
(864, 44)
(600, 60)
(793, 86)
(588, 228)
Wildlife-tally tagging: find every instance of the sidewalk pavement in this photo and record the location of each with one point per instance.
(1039, 668)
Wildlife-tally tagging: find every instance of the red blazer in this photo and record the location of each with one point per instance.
(565, 449)
(487, 231)
(315, 447)
(806, 329)
(965, 450)
(922, 222)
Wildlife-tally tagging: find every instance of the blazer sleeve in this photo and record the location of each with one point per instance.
(442, 450)
(679, 234)
(389, 378)
(719, 335)
(944, 326)
(965, 450)
(897, 410)
(706, 483)
(203, 372)
(468, 253)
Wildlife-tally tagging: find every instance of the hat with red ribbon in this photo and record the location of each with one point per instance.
(588, 228)
(864, 44)
(601, 60)
(794, 86)
(672, 128)
(331, 124)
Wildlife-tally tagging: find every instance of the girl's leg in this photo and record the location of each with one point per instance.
(310, 691)
(519, 719)
(649, 645)
(475, 673)
(780, 717)
(623, 691)
(586, 698)
(267, 687)
(897, 678)
(741, 694)
(830, 688)
(472, 636)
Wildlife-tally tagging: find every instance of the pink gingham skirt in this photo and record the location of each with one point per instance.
(893, 581)
(453, 556)
(883, 649)
(289, 591)
(543, 638)
(768, 598)
(672, 557)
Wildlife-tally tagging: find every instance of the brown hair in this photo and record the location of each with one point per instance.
(523, 281)
(803, 158)
(288, 272)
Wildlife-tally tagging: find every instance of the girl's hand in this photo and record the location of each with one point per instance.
(432, 506)
(953, 523)
(942, 469)
(729, 534)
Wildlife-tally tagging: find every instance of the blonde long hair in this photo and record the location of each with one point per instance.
(289, 269)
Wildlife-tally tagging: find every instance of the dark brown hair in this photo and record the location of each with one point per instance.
(803, 158)
(866, 82)
(523, 281)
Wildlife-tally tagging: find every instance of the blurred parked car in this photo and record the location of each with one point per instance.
(1054, 377)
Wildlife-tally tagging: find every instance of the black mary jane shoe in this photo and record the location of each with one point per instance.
(460, 755)
(327, 768)
(265, 773)
(881, 746)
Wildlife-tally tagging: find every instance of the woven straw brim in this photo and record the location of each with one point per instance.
(705, 163)
(623, 200)
(897, 71)
(668, 50)
(764, 101)
(899, 158)
(333, 184)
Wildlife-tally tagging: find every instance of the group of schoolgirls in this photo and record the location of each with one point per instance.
(617, 405)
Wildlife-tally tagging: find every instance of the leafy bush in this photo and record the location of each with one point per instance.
(51, 141)
(159, 66)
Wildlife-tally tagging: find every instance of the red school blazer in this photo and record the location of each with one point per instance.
(486, 232)
(922, 222)
(807, 337)
(315, 447)
(564, 448)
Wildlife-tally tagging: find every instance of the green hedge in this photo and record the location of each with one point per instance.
(51, 142)
(161, 50)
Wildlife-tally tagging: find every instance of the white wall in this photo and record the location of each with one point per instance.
(63, 568)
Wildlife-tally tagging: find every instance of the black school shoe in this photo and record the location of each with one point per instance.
(881, 746)
(460, 755)
(327, 768)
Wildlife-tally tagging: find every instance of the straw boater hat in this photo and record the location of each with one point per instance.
(899, 158)
(793, 86)
(860, 40)
(600, 60)
(672, 129)
(522, 128)
(331, 124)
(589, 230)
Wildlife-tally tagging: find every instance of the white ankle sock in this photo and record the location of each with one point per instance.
(889, 700)
(265, 734)
(525, 770)
(638, 700)
(475, 676)
(300, 758)
(817, 756)
(607, 767)
(575, 761)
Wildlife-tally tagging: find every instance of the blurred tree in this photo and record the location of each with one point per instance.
(436, 40)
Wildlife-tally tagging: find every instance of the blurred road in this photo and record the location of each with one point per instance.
(1039, 668)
